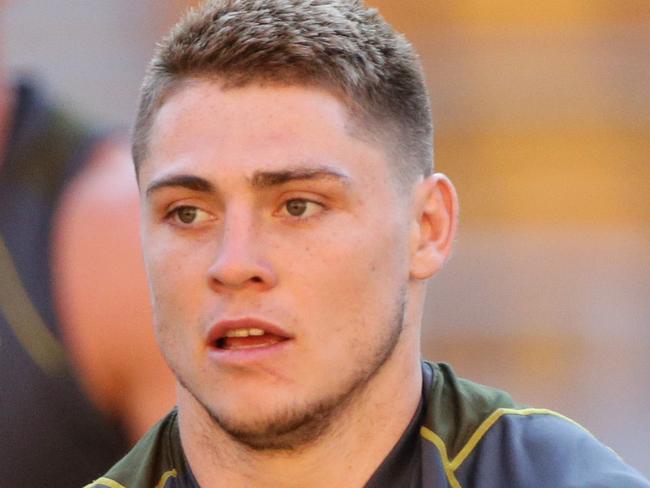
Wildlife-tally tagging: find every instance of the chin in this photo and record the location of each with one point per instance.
(286, 429)
(265, 419)
(260, 419)
(289, 421)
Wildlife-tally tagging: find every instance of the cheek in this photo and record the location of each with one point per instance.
(175, 276)
(171, 259)
(377, 255)
(351, 277)
(175, 303)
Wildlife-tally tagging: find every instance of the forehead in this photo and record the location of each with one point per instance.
(256, 128)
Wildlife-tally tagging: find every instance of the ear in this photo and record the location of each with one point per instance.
(435, 220)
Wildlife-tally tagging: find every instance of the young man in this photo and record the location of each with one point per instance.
(291, 218)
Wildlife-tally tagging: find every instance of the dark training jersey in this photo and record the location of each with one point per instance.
(50, 434)
(463, 435)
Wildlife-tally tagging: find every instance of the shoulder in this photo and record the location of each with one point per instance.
(455, 407)
(154, 460)
(524, 447)
(494, 442)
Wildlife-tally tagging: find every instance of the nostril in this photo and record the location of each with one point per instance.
(256, 279)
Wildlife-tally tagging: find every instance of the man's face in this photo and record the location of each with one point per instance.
(277, 249)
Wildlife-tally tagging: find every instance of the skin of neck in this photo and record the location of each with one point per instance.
(345, 456)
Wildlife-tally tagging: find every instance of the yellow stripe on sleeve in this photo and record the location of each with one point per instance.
(101, 482)
(491, 420)
(104, 482)
(450, 467)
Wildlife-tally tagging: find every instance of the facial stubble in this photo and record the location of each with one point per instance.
(301, 425)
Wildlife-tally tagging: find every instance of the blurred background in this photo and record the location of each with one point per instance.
(542, 112)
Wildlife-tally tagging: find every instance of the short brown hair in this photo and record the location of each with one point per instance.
(339, 45)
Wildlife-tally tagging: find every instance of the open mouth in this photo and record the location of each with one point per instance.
(251, 338)
(245, 334)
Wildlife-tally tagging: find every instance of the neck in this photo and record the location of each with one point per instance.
(345, 456)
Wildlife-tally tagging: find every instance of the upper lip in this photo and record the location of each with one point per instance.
(219, 330)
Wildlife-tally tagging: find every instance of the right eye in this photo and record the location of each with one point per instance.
(188, 215)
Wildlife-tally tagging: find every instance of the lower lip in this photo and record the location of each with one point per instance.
(238, 357)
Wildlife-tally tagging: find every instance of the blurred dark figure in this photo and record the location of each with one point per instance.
(74, 313)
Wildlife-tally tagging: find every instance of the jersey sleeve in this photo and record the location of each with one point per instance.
(542, 449)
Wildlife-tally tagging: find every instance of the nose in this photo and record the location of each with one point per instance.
(240, 261)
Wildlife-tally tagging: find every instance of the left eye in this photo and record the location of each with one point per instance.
(299, 207)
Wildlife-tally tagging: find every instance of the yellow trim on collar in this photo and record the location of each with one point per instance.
(432, 437)
(172, 473)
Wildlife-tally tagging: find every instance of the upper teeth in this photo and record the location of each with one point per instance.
(244, 332)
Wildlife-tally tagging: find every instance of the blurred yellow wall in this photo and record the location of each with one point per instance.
(542, 113)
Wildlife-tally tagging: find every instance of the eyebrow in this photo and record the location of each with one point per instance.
(191, 182)
(266, 179)
(260, 179)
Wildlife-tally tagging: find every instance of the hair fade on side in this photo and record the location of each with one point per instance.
(339, 45)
